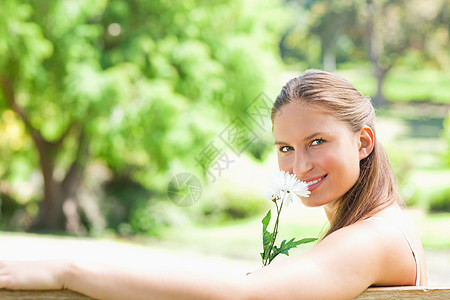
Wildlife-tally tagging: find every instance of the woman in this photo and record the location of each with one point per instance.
(324, 134)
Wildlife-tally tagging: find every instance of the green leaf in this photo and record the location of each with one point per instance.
(285, 247)
(267, 236)
(304, 241)
(266, 220)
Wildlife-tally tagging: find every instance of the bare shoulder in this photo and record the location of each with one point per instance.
(366, 246)
(378, 246)
(372, 235)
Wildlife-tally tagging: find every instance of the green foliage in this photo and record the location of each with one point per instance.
(270, 250)
(434, 231)
(387, 34)
(266, 236)
(130, 208)
(135, 81)
(440, 200)
(406, 84)
(11, 213)
(436, 199)
(153, 217)
(222, 203)
(446, 137)
(413, 135)
(403, 83)
(286, 246)
(121, 197)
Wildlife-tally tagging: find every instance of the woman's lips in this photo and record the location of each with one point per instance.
(313, 184)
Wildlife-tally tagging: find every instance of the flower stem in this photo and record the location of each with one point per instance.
(268, 257)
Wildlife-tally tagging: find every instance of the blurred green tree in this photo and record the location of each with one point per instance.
(332, 21)
(139, 85)
(382, 31)
(322, 33)
(394, 28)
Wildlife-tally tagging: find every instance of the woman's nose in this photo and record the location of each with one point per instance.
(302, 165)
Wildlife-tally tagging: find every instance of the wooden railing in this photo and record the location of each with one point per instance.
(47, 295)
(407, 292)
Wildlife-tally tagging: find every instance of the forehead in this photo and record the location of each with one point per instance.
(300, 120)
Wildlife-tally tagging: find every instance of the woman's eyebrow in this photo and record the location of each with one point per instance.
(305, 139)
(311, 136)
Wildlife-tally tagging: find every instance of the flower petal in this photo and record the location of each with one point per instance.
(287, 183)
(272, 194)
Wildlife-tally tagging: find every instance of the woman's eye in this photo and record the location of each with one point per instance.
(317, 142)
(285, 148)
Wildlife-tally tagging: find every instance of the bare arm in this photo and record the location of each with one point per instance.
(103, 281)
(115, 283)
(340, 267)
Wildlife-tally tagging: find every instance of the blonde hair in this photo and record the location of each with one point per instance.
(376, 186)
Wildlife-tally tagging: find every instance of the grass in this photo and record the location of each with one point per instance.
(405, 85)
(402, 84)
(434, 231)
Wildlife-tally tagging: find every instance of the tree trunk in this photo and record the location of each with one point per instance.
(328, 43)
(329, 59)
(72, 183)
(50, 216)
(380, 73)
(281, 44)
(375, 49)
(58, 210)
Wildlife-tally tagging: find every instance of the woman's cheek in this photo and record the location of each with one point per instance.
(284, 163)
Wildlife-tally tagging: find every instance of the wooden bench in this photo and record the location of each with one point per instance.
(407, 292)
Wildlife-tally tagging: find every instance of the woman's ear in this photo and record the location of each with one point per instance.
(366, 142)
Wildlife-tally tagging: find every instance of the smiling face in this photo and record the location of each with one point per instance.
(318, 149)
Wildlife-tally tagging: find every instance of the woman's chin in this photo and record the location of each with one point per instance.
(310, 202)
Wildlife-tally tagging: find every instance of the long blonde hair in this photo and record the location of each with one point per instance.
(376, 186)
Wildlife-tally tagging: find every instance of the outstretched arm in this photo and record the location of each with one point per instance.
(340, 267)
(102, 281)
(115, 283)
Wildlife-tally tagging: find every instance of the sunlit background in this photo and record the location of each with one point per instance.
(149, 121)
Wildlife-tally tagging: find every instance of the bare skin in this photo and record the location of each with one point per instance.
(341, 266)
(366, 253)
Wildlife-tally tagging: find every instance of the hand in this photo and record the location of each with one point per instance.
(32, 275)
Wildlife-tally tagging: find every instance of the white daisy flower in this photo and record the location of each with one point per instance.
(289, 185)
(286, 187)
